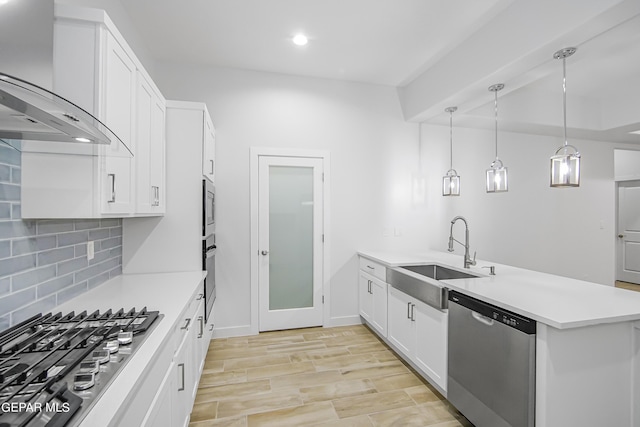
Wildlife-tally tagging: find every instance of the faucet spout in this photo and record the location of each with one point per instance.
(467, 258)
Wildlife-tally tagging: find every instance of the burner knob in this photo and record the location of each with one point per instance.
(83, 381)
(112, 346)
(125, 338)
(101, 356)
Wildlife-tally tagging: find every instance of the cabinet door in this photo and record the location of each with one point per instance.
(431, 342)
(144, 192)
(118, 88)
(379, 316)
(157, 155)
(365, 298)
(200, 345)
(208, 150)
(160, 412)
(184, 374)
(150, 147)
(401, 327)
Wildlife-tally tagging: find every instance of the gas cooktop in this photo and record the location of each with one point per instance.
(54, 367)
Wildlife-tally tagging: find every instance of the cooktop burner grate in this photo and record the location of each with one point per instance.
(43, 358)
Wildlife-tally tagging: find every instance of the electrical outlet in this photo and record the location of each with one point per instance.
(90, 251)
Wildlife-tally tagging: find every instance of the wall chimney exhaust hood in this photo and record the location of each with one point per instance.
(31, 113)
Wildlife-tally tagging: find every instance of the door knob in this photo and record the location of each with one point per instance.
(620, 236)
(264, 252)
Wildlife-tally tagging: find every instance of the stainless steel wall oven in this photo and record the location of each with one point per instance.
(209, 245)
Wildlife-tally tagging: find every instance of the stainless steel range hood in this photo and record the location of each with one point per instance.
(31, 113)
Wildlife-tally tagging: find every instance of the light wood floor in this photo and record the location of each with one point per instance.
(627, 285)
(340, 376)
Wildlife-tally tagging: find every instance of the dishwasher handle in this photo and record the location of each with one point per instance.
(482, 319)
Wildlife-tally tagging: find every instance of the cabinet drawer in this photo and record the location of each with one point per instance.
(373, 268)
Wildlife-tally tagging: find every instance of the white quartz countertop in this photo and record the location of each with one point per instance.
(168, 293)
(556, 301)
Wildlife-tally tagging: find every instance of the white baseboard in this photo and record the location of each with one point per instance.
(232, 331)
(343, 321)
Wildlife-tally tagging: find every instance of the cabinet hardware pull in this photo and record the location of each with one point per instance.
(372, 268)
(413, 319)
(181, 365)
(156, 195)
(199, 297)
(408, 308)
(201, 321)
(211, 327)
(112, 179)
(211, 166)
(264, 253)
(371, 287)
(186, 325)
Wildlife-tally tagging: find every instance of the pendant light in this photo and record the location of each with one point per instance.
(451, 181)
(497, 172)
(565, 163)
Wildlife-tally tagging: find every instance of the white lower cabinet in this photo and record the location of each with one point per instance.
(372, 295)
(431, 342)
(161, 412)
(173, 400)
(402, 330)
(419, 332)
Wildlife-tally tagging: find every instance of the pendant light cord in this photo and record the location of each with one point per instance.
(450, 140)
(564, 98)
(496, 113)
(419, 147)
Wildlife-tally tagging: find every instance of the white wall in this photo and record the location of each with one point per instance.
(627, 164)
(568, 232)
(26, 41)
(373, 152)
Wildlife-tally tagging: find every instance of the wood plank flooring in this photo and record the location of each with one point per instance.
(341, 376)
(627, 285)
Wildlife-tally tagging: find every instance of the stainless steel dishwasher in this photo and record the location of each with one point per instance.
(491, 357)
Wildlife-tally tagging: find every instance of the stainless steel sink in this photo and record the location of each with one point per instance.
(438, 272)
(426, 288)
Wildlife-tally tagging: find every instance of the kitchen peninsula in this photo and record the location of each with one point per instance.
(587, 342)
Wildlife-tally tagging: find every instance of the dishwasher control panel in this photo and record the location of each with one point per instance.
(493, 313)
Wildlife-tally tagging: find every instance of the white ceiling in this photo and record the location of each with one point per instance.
(437, 52)
(374, 41)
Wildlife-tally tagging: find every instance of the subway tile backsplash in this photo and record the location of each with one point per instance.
(43, 263)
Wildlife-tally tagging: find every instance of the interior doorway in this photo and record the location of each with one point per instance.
(289, 238)
(628, 232)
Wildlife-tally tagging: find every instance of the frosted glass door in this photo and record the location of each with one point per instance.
(290, 234)
(290, 237)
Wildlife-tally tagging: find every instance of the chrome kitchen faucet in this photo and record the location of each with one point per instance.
(467, 259)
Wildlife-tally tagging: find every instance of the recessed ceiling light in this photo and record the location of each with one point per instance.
(298, 39)
(2, 2)
(637, 132)
(80, 139)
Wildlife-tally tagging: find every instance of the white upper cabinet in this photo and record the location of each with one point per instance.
(95, 68)
(150, 150)
(117, 91)
(209, 150)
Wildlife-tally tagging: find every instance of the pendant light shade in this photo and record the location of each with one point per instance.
(565, 163)
(451, 180)
(497, 176)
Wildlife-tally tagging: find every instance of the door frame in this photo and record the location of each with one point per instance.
(255, 153)
(619, 252)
